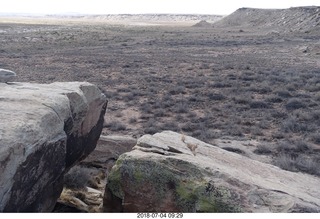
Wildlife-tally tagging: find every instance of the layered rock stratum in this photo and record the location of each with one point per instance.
(284, 20)
(170, 172)
(45, 129)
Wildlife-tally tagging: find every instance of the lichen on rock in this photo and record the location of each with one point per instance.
(214, 180)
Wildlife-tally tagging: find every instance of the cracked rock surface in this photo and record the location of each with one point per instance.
(163, 174)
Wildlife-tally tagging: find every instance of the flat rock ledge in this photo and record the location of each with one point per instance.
(170, 172)
(45, 129)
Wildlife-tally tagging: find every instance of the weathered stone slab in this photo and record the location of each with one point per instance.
(44, 130)
(208, 179)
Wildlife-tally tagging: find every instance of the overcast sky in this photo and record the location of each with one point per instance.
(143, 6)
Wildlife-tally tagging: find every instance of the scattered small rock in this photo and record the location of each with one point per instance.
(6, 75)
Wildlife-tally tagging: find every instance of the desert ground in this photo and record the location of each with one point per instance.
(209, 82)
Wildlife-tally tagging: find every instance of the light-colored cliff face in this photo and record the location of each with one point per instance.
(170, 172)
(44, 130)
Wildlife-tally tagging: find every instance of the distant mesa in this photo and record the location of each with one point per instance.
(301, 19)
(144, 18)
(203, 23)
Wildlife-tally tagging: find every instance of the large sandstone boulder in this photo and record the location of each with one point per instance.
(44, 130)
(169, 172)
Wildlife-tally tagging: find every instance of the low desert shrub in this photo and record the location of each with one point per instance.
(313, 88)
(167, 101)
(181, 108)
(317, 97)
(260, 90)
(279, 115)
(151, 130)
(294, 103)
(128, 97)
(115, 126)
(256, 131)
(188, 127)
(258, 104)
(315, 138)
(294, 148)
(192, 84)
(274, 99)
(241, 100)
(179, 118)
(177, 90)
(293, 126)
(300, 163)
(278, 135)
(302, 147)
(234, 150)
(220, 85)
(146, 108)
(123, 89)
(234, 130)
(316, 115)
(132, 120)
(173, 126)
(216, 96)
(196, 133)
(77, 178)
(151, 127)
(307, 165)
(145, 116)
(263, 150)
(159, 113)
(205, 135)
(192, 115)
(118, 114)
(285, 162)
(193, 98)
(285, 147)
(264, 124)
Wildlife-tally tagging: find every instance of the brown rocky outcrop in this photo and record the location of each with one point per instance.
(170, 172)
(44, 130)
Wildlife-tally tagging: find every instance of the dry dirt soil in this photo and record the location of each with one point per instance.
(206, 82)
